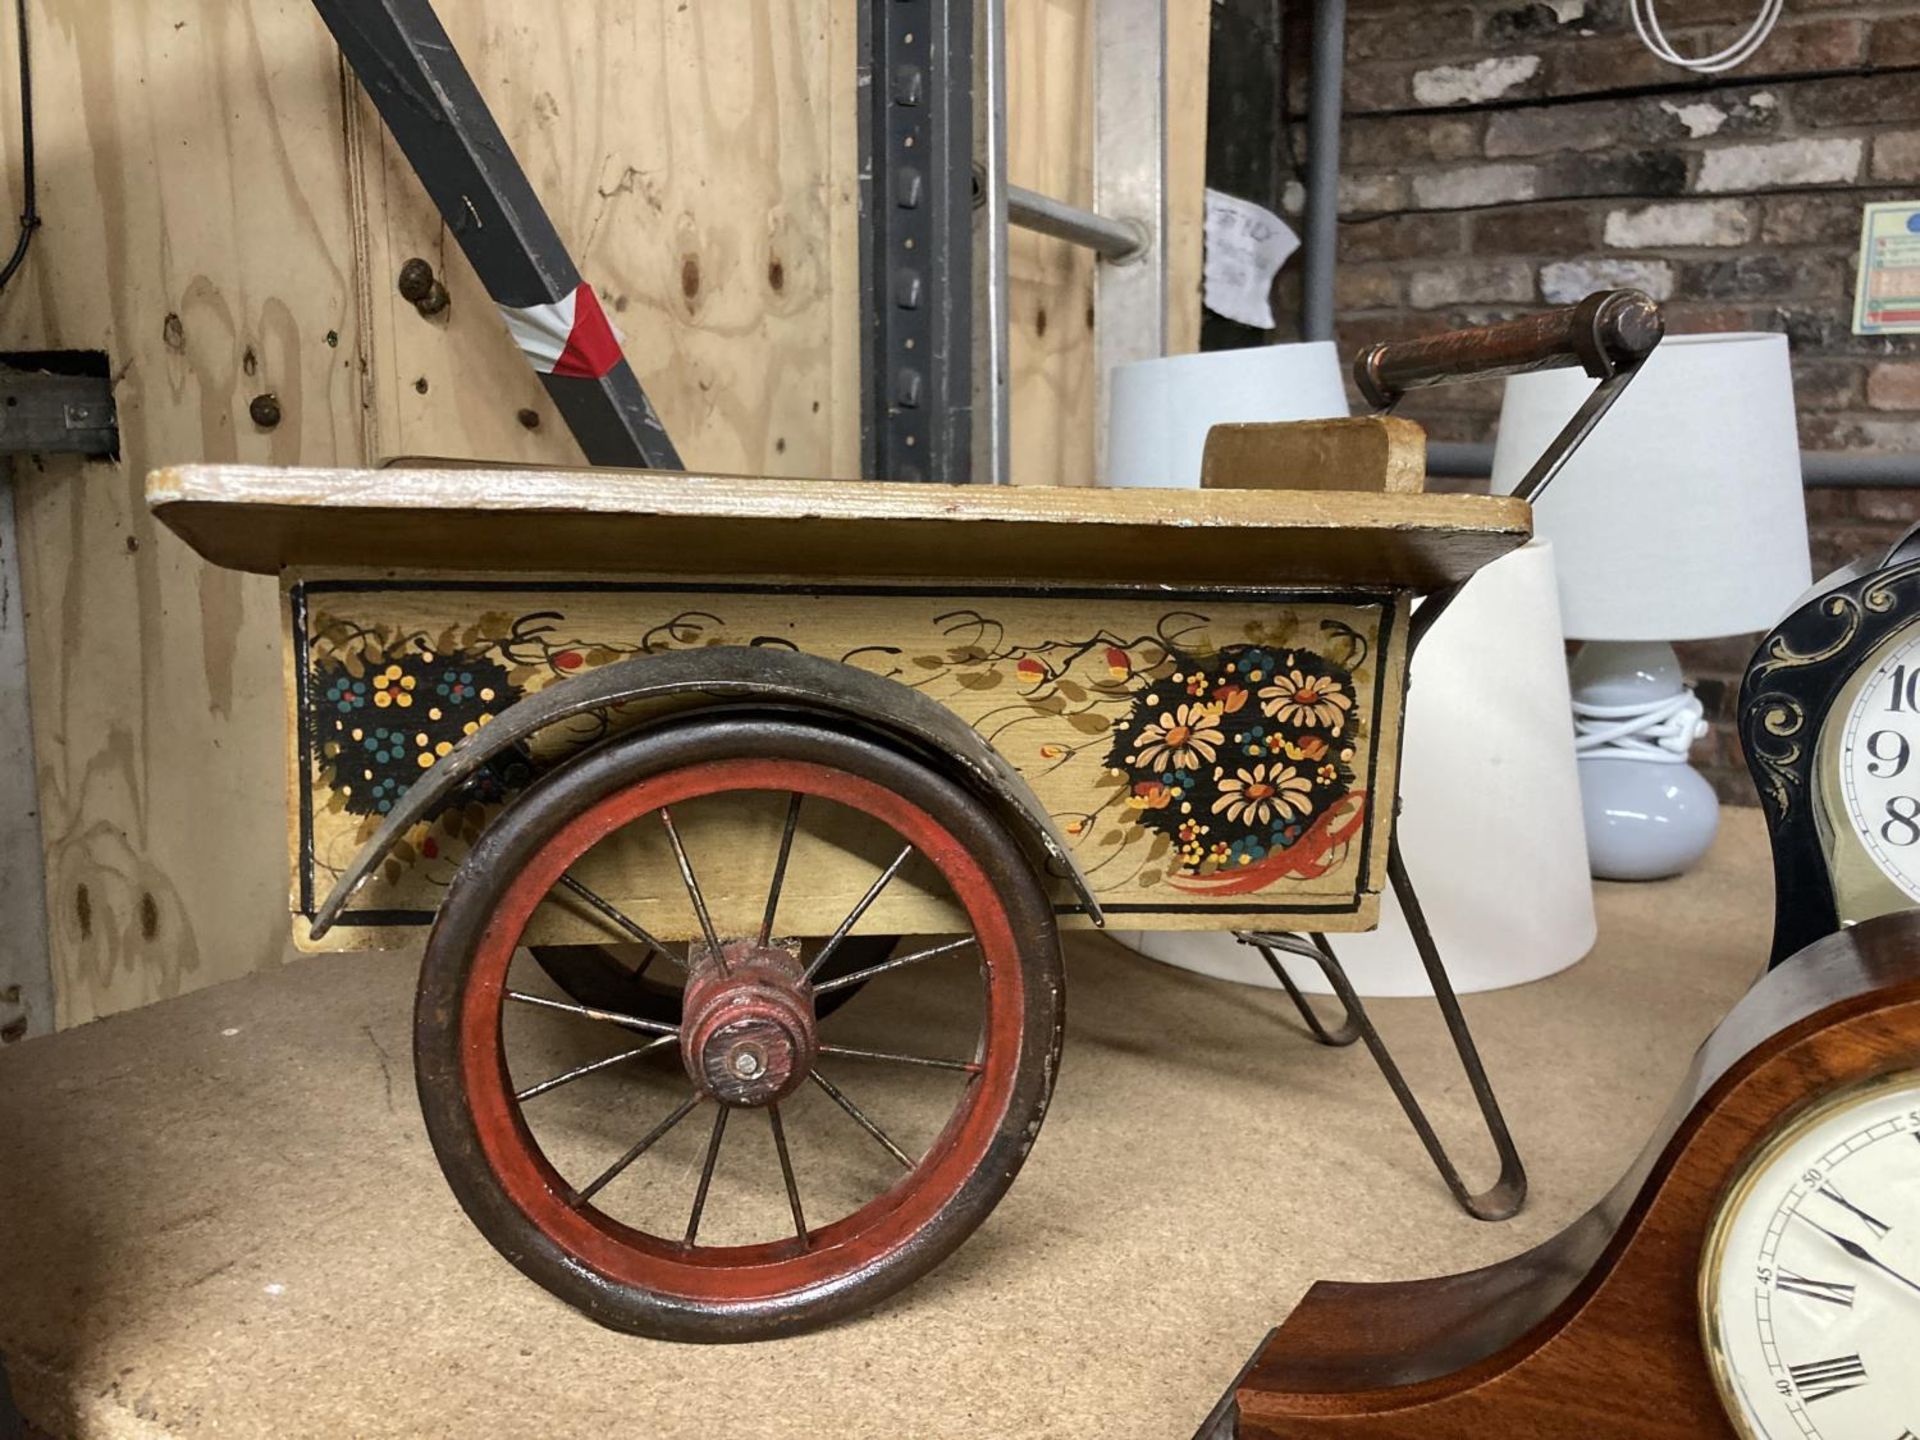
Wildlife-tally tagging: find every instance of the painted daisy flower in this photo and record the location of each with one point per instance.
(1184, 737)
(1255, 796)
(1297, 699)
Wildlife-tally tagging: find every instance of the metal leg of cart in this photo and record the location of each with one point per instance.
(1500, 1200)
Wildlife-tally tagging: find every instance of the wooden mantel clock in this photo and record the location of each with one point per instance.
(1757, 1273)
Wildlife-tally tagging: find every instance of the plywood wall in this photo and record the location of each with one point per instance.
(699, 162)
(225, 217)
(198, 229)
(1052, 386)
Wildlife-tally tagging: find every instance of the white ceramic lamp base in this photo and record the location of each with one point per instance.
(1649, 814)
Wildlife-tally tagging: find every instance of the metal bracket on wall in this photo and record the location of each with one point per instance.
(47, 414)
(414, 76)
(916, 206)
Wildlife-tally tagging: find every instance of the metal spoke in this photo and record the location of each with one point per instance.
(860, 1117)
(588, 1012)
(693, 893)
(609, 911)
(866, 900)
(574, 1074)
(780, 874)
(972, 1067)
(840, 982)
(646, 1143)
(706, 1174)
(786, 1171)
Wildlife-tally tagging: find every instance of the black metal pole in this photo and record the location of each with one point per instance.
(916, 231)
(415, 77)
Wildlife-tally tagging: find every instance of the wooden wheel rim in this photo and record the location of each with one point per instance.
(740, 1274)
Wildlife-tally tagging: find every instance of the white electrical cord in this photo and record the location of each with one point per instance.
(1646, 23)
(1663, 730)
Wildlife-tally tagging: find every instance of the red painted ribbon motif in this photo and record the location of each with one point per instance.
(1308, 858)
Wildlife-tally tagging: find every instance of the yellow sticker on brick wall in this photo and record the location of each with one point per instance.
(1887, 297)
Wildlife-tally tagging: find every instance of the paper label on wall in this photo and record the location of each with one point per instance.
(1887, 298)
(1246, 246)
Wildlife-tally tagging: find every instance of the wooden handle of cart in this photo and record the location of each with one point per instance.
(1608, 331)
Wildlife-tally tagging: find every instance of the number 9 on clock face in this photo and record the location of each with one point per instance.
(1810, 1280)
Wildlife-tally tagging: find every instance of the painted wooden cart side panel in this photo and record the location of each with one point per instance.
(1212, 754)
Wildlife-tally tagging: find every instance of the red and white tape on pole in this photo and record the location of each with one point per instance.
(569, 337)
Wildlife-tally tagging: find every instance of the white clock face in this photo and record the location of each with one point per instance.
(1880, 765)
(1810, 1284)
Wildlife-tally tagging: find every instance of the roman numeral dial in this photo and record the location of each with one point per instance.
(1831, 1291)
(1879, 1227)
(1823, 1379)
(1811, 1278)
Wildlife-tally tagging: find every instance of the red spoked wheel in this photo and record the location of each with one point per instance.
(644, 1191)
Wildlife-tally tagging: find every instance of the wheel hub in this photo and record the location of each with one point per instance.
(748, 1034)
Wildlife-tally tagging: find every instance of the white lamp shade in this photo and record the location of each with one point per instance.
(1163, 408)
(1490, 822)
(1682, 515)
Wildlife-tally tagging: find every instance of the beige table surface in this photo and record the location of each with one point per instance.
(219, 1215)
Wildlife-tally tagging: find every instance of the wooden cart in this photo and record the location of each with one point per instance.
(677, 760)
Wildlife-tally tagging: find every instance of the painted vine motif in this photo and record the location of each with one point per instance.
(1205, 753)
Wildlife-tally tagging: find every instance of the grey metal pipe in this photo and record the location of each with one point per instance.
(992, 423)
(1323, 168)
(1818, 468)
(1110, 239)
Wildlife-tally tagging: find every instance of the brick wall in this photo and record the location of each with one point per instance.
(1502, 155)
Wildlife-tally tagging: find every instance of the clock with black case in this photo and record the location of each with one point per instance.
(1830, 719)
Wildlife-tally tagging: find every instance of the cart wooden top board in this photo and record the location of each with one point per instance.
(1195, 695)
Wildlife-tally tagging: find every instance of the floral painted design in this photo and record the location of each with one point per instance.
(1183, 738)
(384, 718)
(1255, 797)
(1243, 760)
(1301, 697)
(393, 688)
